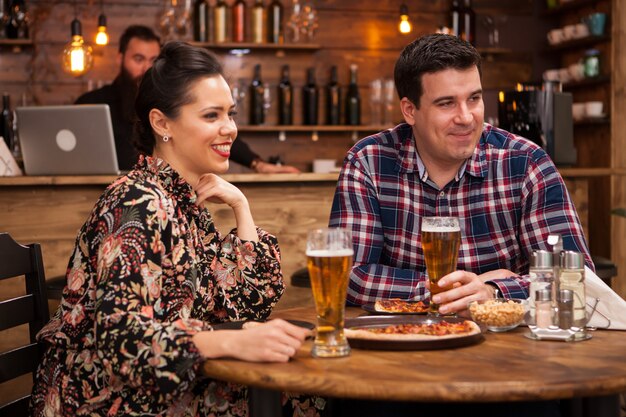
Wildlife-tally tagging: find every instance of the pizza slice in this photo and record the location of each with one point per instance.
(415, 331)
(396, 305)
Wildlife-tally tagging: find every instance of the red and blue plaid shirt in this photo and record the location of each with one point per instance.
(508, 197)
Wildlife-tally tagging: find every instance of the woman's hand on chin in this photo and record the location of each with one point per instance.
(214, 189)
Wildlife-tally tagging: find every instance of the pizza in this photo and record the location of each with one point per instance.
(415, 331)
(396, 305)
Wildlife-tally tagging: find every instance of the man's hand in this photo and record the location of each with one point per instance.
(467, 287)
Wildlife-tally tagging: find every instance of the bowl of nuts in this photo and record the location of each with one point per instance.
(499, 315)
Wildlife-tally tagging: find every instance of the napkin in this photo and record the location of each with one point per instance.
(611, 306)
(8, 166)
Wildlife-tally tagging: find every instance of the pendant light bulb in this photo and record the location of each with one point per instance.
(102, 37)
(405, 25)
(77, 55)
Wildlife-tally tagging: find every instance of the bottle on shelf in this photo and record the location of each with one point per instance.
(239, 21)
(202, 16)
(310, 99)
(469, 22)
(6, 122)
(258, 22)
(333, 99)
(285, 98)
(4, 19)
(257, 92)
(220, 21)
(455, 18)
(17, 26)
(353, 99)
(275, 30)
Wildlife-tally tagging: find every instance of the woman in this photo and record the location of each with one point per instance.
(150, 272)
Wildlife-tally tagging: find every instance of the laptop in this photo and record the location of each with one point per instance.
(67, 140)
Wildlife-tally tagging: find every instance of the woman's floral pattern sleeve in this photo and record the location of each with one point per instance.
(138, 343)
(249, 275)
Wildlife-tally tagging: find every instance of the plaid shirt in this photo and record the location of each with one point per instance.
(508, 197)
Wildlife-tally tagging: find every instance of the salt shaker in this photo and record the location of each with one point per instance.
(572, 277)
(543, 308)
(541, 276)
(565, 302)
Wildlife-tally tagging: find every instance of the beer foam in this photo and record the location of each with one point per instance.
(325, 253)
(440, 229)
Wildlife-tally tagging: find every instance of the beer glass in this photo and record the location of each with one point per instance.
(329, 259)
(441, 237)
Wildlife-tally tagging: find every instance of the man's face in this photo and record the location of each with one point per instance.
(138, 57)
(448, 124)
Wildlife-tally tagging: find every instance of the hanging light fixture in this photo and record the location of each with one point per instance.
(405, 25)
(102, 37)
(77, 55)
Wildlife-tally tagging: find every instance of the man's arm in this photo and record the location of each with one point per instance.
(355, 207)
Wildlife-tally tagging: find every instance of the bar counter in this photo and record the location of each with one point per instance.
(51, 209)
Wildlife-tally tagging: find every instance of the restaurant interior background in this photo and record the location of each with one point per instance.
(361, 32)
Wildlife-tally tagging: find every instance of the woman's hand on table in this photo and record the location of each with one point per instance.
(274, 341)
(466, 287)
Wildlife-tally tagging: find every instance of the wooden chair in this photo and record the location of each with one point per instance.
(32, 309)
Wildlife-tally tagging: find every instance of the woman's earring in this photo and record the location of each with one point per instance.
(165, 138)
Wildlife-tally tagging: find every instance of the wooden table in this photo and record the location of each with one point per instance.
(505, 367)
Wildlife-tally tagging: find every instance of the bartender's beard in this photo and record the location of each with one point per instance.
(127, 87)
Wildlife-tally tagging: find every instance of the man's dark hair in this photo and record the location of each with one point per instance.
(167, 85)
(137, 31)
(429, 54)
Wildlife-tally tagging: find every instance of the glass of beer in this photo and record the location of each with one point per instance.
(329, 258)
(441, 237)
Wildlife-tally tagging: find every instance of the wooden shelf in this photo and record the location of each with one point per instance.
(16, 45)
(578, 43)
(593, 121)
(569, 6)
(317, 128)
(587, 82)
(493, 50)
(246, 47)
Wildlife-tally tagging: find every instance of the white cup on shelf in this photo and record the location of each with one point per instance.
(578, 111)
(324, 166)
(594, 108)
(556, 36)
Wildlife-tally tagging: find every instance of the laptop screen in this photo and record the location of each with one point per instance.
(67, 140)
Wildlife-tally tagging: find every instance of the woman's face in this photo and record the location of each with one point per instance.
(203, 132)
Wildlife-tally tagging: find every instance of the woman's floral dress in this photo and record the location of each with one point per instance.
(148, 271)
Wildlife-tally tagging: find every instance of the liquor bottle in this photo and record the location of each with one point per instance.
(353, 100)
(257, 91)
(275, 33)
(455, 18)
(239, 21)
(202, 30)
(285, 98)
(220, 21)
(6, 122)
(258, 22)
(469, 22)
(310, 99)
(17, 27)
(333, 99)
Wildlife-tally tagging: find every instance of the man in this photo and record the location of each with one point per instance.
(138, 48)
(445, 161)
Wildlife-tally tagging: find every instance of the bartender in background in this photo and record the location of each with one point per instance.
(138, 48)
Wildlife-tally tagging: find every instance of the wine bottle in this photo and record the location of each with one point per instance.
(353, 99)
(455, 18)
(258, 22)
(239, 21)
(257, 91)
(202, 30)
(333, 99)
(285, 98)
(220, 13)
(6, 122)
(275, 32)
(310, 99)
(469, 22)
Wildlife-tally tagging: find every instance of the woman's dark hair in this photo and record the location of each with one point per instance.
(429, 54)
(166, 86)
